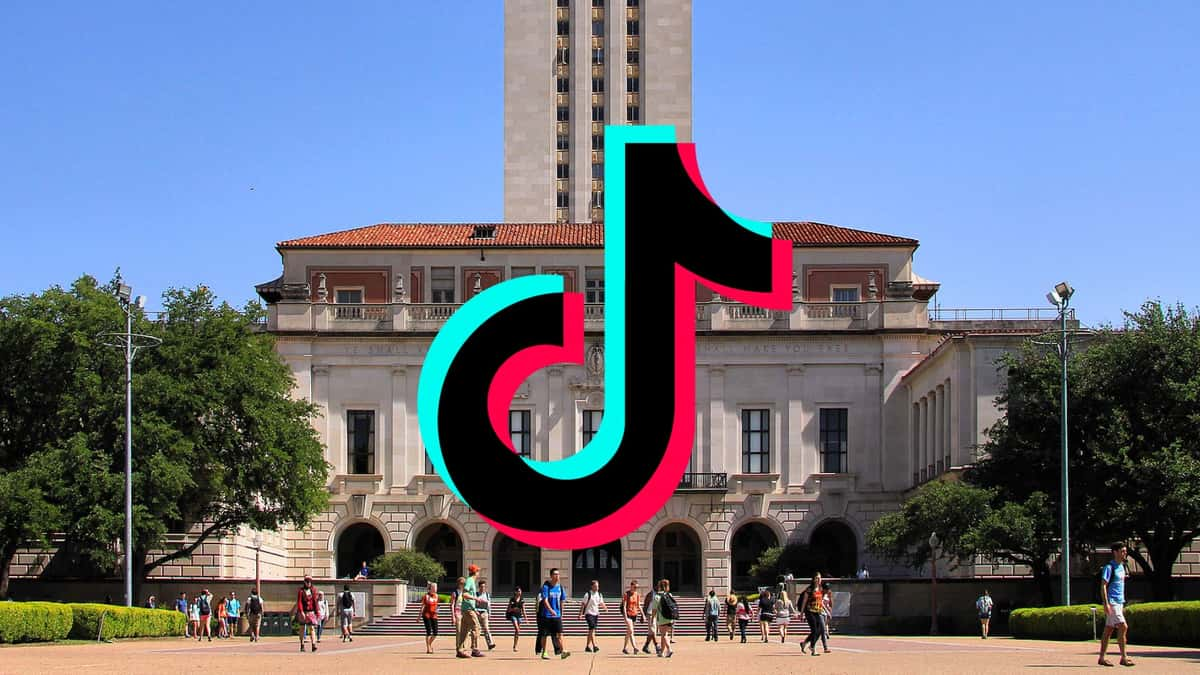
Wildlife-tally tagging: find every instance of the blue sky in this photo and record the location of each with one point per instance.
(1022, 143)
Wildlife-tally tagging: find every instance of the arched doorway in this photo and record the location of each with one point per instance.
(600, 563)
(443, 544)
(358, 543)
(514, 564)
(834, 548)
(747, 545)
(677, 558)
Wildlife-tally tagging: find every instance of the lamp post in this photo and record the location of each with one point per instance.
(933, 545)
(257, 549)
(131, 342)
(1060, 297)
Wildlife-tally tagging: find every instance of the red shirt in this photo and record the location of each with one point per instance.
(429, 606)
(306, 599)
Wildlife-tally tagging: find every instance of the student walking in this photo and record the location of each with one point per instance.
(826, 614)
(665, 612)
(984, 606)
(550, 617)
(1112, 590)
(515, 613)
(468, 622)
(233, 612)
(649, 603)
(306, 612)
(429, 616)
(204, 606)
(194, 618)
(322, 614)
(784, 610)
(712, 612)
(346, 613)
(631, 611)
(766, 614)
(223, 618)
(483, 604)
(254, 614)
(731, 602)
(812, 600)
(742, 611)
(589, 610)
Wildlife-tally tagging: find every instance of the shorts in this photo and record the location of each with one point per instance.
(784, 620)
(593, 620)
(431, 626)
(310, 618)
(254, 620)
(232, 620)
(347, 617)
(766, 618)
(514, 618)
(552, 625)
(985, 616)
(1115, 616)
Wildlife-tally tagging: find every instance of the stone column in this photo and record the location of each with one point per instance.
(923, 436)
(396, 474)
(320, 389)
(868, 461)
(793, 469)
(554, 430)
(716, 420)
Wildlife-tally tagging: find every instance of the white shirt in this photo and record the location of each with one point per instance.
(592, 602)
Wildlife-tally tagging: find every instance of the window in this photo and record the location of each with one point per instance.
(633, 84)
(597, 28)
(520, 272)
(598, 113)
(563, 200)
(564, 85)
(564, 171)
(598, 201)
(593, 280)
(633, 113)
(598, 56)
(563, 142)
(441, 284)
(631, 3)
(833, 440)
(845, 293)
(597, 171)
(564, 113)
(598, 142)
(564, 27)
(597, 3)
(631, 27)
(519, 429)
(564, 55)
(591, 423)
(564, 3)
(348, 296)
(360, 440)
(632, 56)
(597, 85)
(756, 441)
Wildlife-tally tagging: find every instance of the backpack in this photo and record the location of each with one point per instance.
(203, 606)
(347, 600)
(255, 604)
(667, 608)
(647, 601)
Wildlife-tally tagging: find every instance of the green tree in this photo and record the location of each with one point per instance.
(775, 561)
(27, 514)
(414, 566)
(949, 508)
(1134, 435)
(218, 441)
(1023, 533)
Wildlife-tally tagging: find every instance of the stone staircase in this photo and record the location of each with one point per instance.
(690, 622)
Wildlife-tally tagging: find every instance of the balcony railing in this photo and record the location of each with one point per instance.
(997, 314)
(704, 482)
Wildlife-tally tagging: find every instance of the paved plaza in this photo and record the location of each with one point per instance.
(851, 654)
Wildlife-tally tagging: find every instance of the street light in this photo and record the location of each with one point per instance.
(257, 549)
(131, 342)
(1060, 297)
(933, 545)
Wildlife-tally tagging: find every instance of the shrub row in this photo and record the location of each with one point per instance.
(1150, 623)
(48, 621)
(34, 621)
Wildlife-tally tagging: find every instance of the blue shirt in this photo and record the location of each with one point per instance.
(233, 607)
(181, 605)
(1114, 576)
(554, 597)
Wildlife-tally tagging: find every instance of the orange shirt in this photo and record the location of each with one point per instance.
(815, 600)
(429, 606)
(631, 603)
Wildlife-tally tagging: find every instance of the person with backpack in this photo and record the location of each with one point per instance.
(306, 612)
(204, 611)
(589, 610)
(233, 613)
(346, 613)
(712, 612)
(1112, 591)
(631, 610)
(742, 611)
(984, 606)
(731, 602)
(254, 614)
(649, 604)
(515, 613)
(766, 614)
(550, 610)
(429, 616)
(666, 612)
(483, 604)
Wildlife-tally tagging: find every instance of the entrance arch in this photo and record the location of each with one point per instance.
(834, 548)
(601, 563)
(442, 543)
(358, 543)
(677, 558)
(515, 563)
(747, 545)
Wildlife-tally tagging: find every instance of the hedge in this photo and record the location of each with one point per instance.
(1150, 623)
(34, 621)
(125, 622)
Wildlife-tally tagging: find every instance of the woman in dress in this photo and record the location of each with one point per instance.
(306, 612)
(784, 609)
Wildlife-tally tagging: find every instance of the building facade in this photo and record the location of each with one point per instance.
(571, 67)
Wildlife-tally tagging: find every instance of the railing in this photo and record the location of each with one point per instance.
(704, 481)
(593, 313)
(835, 310)
(362, 312)
(997, 314)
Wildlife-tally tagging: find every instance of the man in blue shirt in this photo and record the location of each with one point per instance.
(1112, 589)
(233, 610)
(181, 605)
(550, 605)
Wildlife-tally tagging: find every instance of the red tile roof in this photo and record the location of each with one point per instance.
(554, 235)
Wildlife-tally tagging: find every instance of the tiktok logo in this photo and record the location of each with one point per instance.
(663, 233)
